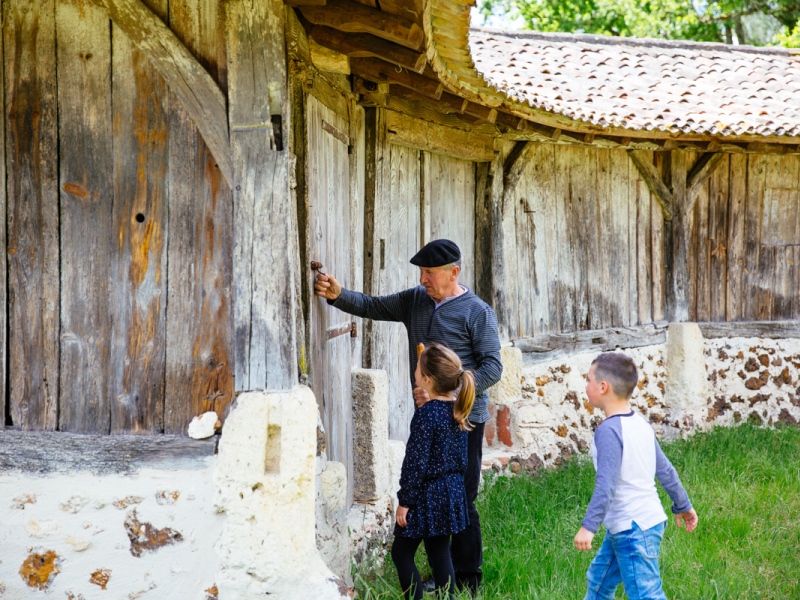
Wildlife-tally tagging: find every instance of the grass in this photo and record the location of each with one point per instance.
(744, 483)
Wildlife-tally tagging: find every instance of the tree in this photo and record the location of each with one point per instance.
(699, 20)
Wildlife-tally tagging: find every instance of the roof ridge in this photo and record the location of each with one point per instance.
(641, 42)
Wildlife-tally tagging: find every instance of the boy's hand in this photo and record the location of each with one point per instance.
(689, 518)
(327, 287)
(420, 396)
(583, 539)
(402, 511)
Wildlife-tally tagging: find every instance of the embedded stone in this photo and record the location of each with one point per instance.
(40, 568)
(146, 538)
(203, 426)
(101, 578)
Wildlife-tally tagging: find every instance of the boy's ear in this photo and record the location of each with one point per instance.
(604, 387)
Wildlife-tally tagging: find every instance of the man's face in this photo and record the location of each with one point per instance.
(438, 281)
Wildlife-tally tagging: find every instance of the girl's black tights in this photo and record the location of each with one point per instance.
(438, 551)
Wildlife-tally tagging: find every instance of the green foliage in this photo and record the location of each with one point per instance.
(744, 483)
(790, 39)
(715, 21)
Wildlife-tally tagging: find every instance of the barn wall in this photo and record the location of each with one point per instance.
(120, 226)
(589, 241)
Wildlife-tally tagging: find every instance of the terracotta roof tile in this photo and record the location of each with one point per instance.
(646, 84)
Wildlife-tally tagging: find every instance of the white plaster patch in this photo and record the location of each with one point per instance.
(42, 529)
(75, 504)
(203, 426)
(78, 544)
(19, 502)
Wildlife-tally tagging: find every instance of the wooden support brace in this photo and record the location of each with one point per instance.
(346, 15)
(381, 71)
(364, 45)
(701, 171)
(187, 79)
(515, 163)
(653, 180)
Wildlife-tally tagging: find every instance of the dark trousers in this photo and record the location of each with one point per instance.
(438, 550)
(467, 546)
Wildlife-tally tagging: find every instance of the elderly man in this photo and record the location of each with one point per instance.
(441, 310)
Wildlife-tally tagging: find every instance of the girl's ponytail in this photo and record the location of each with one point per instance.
(466, 397)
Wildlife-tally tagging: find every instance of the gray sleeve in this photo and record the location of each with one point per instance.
(486, 350)
(394, 307)
(668, 477)
(608, 442)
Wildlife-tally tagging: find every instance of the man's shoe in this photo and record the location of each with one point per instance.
(428, 586)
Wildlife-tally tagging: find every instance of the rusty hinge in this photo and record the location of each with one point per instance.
(350, 328)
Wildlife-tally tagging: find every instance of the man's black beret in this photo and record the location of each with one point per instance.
(437, 254)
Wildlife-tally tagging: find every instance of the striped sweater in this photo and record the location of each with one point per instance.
(465, 324)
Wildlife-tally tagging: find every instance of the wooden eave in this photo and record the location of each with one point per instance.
(446, 89)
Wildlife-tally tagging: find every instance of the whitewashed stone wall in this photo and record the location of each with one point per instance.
(742, 379)
(80, 536)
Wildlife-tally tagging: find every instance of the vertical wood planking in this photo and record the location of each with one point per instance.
(397, 235)
(87, 242)
(200, 316)
(265, 236)
(700, 256)
(138, 273)
(735, 308)
(484, 279)
(644, 249)
(680, 287)
(718, 230)
(32, 223)
(659, 271)
(3, 255)
(622, 175)
(357, 202)
(540, 249)
(604, 242)
(756, 285)
(449, 198)
(782, 175)
(551, 244)
(567, 243)
(583, 232)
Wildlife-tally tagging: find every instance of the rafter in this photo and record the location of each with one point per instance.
(363, 45)
(381, 71)
(346, 15)
(196, 90)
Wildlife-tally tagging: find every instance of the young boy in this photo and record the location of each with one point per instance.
(627, 458)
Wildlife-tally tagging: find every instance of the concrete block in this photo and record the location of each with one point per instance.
(509, 388)
(370, 434)
(332, 536)
(265, 482)
(686, 381)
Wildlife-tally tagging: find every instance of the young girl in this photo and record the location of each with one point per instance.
(432, 498)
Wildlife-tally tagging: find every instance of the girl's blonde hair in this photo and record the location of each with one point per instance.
(443, 367)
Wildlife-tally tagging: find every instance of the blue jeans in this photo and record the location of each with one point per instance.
(629, 557)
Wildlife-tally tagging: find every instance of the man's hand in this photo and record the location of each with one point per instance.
(402, 511)
(420, 396)
(327, 287)
(583, 539)
(689, 518)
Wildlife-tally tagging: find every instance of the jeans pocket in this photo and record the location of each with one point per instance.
(651, 541)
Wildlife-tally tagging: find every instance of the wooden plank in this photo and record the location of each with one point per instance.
(582, 219)
(449, 194)
(555, 345)
(357, 220)
(679, 287)
(265, 234)
(352, 17)
(551, 246)
(406, 131)
(718, 232)
(87, 241)
(4, 256)
(782, 177)
(47, 453)
(504, 243)
(736, 238)
(483, 231)
(566, 283)
(360, 45)
(777, 330)
(659, 236)
(380, 71)
(644, 251)
(623, 171)
(700, 254)
(758, 279)
(139, 220)
(32, 213)
(200, 361)
(188, 81)
(397, 235)
(653, 180)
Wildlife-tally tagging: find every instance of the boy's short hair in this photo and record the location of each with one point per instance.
(618, 370)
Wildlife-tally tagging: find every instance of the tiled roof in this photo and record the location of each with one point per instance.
(646, 85)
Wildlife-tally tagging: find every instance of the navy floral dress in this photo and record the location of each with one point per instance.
(432, 479)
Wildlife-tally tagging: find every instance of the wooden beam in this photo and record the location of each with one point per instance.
(447, 103)
(677, 237)
(701, 171)
(653, 180)
(515, 163)
(364, 45)
(187, 79)
(776, 330)
(484, 113)
(414, 133)
(327, 59)
(346, 15)
(381, 71)
(300, 3)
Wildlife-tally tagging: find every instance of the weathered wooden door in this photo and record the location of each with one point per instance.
(328, 184)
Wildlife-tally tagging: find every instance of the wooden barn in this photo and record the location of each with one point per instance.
(173, 167)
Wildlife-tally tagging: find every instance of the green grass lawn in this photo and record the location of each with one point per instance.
(743, 482)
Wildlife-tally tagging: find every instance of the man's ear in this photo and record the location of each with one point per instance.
(455, 271)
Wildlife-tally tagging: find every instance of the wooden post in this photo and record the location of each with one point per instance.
(265, 229)
(3, 263)
(677, 240)
(504, 285)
